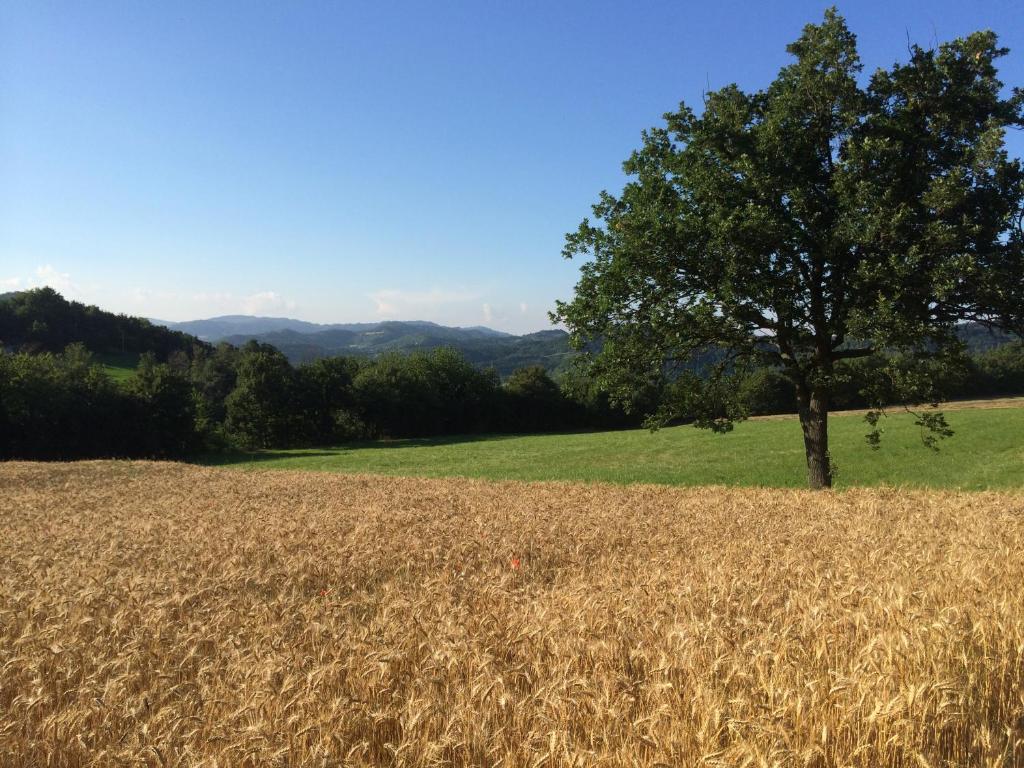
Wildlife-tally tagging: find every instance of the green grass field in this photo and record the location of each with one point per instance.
(986, 452)
(118, 366)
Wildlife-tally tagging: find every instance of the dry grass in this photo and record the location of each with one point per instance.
(157, 614)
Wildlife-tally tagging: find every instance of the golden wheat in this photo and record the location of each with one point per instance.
(165, 615)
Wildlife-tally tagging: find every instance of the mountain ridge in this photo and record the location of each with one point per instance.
(222, 326)
(302, 341)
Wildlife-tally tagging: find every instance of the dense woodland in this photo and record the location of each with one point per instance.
(186, 396)
(41, 320)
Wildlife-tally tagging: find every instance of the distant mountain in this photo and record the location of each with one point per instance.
(978, 338)
(42, 320)
(218, 328)
(485, 347)
(549, 349)
(302, 341)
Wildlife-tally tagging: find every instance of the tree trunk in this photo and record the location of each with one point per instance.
(814, 422)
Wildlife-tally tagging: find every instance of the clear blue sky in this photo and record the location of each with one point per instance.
(345, 161)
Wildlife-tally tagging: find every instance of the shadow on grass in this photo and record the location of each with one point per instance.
(269, 454)
(425, 442)
(249, 457)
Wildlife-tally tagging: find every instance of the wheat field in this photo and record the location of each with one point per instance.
(166, 615)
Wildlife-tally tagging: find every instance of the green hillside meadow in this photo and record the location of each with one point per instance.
(119, 366)
(986, 452)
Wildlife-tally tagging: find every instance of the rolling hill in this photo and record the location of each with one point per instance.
(41, 320)
(302, 341)
(253, 326)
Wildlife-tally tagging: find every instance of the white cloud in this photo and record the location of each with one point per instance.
(458, 305)
(44, 275)
(267, 301)
(418, 305)
(208, 304)
(59, 281)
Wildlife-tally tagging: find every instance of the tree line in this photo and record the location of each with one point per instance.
(65, 406)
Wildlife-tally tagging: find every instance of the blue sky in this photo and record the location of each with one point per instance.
(344, 161)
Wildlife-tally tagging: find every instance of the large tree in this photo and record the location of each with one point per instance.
(827, 217)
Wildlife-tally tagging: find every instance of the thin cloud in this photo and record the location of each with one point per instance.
(267, 301)
(225, 303)
(395, 302)
(59, 281)
(45, 275)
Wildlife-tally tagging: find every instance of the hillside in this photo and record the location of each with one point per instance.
(41, 320)
(302, 342)
(252, 326)
(978, 338)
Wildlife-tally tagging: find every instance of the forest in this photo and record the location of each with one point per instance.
(187, 397)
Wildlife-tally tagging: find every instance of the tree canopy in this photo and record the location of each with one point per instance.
(827, 217)
(41, 320)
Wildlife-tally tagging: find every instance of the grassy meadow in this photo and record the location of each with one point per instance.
(118, 366)
(987, 451)
(159, 614)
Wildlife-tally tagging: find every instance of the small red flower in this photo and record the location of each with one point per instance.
(516, 563)
(324, 592)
